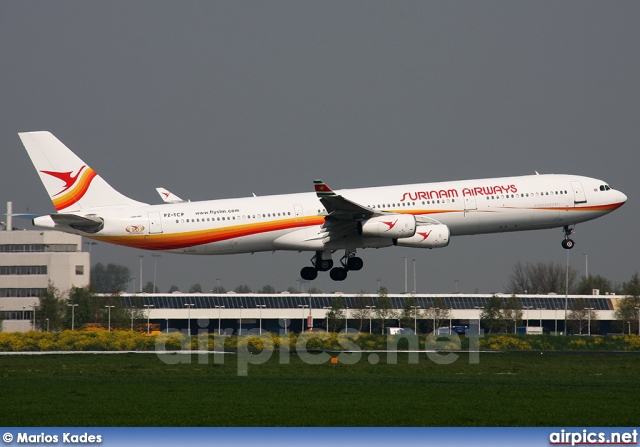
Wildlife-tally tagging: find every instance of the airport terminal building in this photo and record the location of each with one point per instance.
(234, 312)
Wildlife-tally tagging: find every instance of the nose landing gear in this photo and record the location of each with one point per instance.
(567, 242)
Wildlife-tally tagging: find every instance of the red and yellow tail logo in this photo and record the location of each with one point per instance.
(75, 187)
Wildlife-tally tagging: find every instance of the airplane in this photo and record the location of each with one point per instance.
(422, 215)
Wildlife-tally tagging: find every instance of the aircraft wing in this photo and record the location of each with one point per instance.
(338, 207)
(342, 214)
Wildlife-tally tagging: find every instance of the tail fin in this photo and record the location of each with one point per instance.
(71, 184)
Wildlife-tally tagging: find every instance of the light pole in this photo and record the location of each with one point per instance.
(132, 314)
(261, 306)
(638, 309)
(556, 321)
(586, 266)
(155, 265)
(541, 309)
(35, 306)
(47, 324)
(346, 319)
(435, 309)
(240, 327)
(22, 323)
(456, 283)
(414, 276)
(326, 309)
(527, 317)
(302, 307)
(405, 274)
(148, 306)
(566, 294)
(479, 317)
(140, 256)
(109, 309)
(415, 318)
(73, 314)
(370, 309)
(189, 306)
(219, 318)
(90, 244)
(589, 309)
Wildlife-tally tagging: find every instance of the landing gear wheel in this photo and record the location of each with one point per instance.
(338, 274)
(355, 263)
(324, 265)
(568, 244)
(308, 273)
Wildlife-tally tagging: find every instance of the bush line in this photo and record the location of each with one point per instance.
(34, 341)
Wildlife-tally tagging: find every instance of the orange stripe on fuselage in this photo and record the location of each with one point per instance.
(187, 239)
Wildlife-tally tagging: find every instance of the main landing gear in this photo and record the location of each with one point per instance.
(567, 242)
(349, 262)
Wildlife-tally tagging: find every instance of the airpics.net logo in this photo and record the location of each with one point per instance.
(586, 437)
(256, 347)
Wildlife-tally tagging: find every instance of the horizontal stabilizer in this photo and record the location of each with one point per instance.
(87, 224)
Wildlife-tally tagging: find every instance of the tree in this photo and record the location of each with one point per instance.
(336, 314)
(51, 309)
(173, 288)
(627, 311)
(579, 317)
(360, 310)
(196, 288)
(243, 289)
(411, 314)
(113, 278)
(86, 310)
(384, 310)
(268, 288)
(492, 316)
(149, 288)
(121, 315)
(314, 290)
(587, 285)
(541, 279)
(512, 313)
(291, 289)
(219, 289)
(436, 314)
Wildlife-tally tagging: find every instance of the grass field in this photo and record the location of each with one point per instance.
(506, 389)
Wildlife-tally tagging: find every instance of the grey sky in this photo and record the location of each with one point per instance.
(224, 99)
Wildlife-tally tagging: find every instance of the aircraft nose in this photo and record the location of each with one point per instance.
(622, 197)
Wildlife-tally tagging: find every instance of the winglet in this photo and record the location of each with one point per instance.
(168, 196)
(322, 190)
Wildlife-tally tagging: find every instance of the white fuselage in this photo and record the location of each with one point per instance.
(290, 221)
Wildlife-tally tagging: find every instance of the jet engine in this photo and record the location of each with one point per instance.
(427, 236)
(394, 226)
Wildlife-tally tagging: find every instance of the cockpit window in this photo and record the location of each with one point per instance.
(605, 187)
